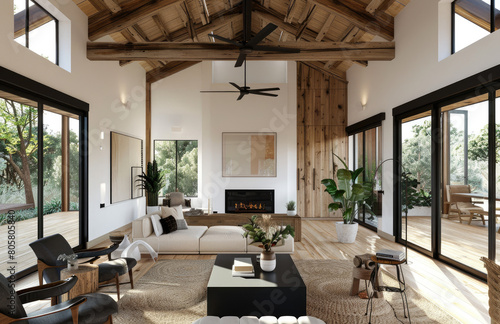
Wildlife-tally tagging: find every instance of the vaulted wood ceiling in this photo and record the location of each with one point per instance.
(333, 34)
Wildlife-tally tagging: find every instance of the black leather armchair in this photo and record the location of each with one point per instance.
(90, 308)
(47, 250)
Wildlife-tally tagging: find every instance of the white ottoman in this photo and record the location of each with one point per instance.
(223, 239)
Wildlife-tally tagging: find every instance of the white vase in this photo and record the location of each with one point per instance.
(346, 233)
(267, 261)
(291, 213)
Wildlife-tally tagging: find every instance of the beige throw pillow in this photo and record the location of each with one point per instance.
(168, 211)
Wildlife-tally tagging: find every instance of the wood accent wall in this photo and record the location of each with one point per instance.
(321, 123)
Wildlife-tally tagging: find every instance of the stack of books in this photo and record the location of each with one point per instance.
(391, 255)
(243, 267)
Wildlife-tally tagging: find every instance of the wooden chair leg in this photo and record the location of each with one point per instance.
(117, 279)
(131, 276)
(109, 320)
(74, 314)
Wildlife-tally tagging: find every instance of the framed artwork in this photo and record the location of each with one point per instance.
(126, 163)
(249, 154)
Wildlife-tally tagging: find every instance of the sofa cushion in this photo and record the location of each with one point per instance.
(182, 241)
(181, 224)
(179, 213)
(168, 211)
(142, 226)
(155, 221)
(169, 224)
(223, 239)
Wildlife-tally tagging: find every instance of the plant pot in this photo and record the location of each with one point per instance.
(291, 213)
(346, 233)
(73, 265)
(267, 261)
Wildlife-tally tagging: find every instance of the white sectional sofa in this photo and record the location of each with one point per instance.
(199, 239)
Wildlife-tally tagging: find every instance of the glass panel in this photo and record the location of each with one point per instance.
(372, 160)
(42, 33)
(497, 168)
(59, 165)
(20, 21)
(416, 179)
(165, 157)
(472, 22)
(18, 181)
(187, 167)
(464, 232)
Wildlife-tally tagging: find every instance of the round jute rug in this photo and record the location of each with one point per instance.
(174, 291)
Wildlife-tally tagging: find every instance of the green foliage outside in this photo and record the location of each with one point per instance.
(184, 154)
(19, 161)
(51, 208)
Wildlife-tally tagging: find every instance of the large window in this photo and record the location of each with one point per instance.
(179, 160)
(365, 151)
(36, 29)
(472, 20)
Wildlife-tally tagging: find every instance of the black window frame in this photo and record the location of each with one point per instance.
(492, 22)
(176, 159)
(27, 27)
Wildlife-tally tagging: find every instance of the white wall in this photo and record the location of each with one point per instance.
(418, 69)
(177, 101)
(101, 84)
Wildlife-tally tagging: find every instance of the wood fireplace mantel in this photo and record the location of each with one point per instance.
(241, 219)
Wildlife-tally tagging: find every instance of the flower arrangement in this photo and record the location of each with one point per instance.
(71, 259)
(262, 229)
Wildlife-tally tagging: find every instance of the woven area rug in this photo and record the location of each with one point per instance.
(174, 291)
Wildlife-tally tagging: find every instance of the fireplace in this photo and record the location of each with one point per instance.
(250, 201)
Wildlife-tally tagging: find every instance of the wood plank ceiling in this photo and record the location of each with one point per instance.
(342, 26)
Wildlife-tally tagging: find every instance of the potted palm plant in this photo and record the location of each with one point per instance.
(349, 196)
(152, 182)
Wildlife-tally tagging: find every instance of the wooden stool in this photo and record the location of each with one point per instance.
(363, 274)
(88, 280)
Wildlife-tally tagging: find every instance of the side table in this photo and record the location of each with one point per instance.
(401, 281)
(88, 280)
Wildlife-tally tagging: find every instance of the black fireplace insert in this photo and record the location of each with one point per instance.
(250, 201)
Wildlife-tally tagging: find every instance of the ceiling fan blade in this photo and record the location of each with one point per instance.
(264, 94)
(227, 40)
(236, 86)
(275, 49)
(265, 89)
(264, 32)
(205, 91)
(241, 58)
(242, 94)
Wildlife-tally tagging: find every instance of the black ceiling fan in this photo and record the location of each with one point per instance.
(248, 45)
(246, 90)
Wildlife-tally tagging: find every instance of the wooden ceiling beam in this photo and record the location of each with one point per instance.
(373, 6)
(108, 23)
(326, 26)
(204, 14)
(187, 19)
(380, 24)
(112, 5)
(169, 69)
(132, 34)
(310, 51)
(99, 5)
(291, 11)
(38, 17)
(339, 75)
(476, 11)
(162, 27)
(304, 21)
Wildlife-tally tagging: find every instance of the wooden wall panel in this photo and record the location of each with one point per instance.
(321, 122)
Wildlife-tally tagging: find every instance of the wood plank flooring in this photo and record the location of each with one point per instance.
(463, 297)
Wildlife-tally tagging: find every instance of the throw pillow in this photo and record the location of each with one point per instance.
(179, 214)
(168, 224)
(167, 211)
(181, 224)
(155, 221)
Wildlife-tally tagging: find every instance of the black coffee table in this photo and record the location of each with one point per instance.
(278, 293)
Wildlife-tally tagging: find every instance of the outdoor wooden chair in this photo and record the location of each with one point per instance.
(462, 206)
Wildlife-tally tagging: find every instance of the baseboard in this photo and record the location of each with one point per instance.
(99, 240)
(386, 236)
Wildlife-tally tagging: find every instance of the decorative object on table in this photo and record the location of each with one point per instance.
(348, 196)
(72, 260)
(266, 233)
(393, 255)
(125, 242)
(363, 267)
(152, 182)
(290, 208)
(243, 267)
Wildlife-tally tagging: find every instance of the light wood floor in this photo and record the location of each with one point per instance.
(461, 296)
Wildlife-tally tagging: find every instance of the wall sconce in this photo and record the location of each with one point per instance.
(102, 141)
(126, 105)
(103, 195)
(363, 106)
